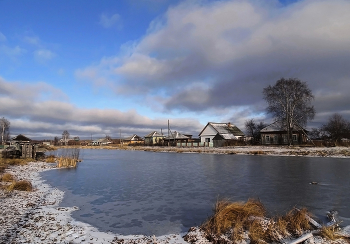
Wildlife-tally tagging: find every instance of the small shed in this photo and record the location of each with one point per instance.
(24, 145)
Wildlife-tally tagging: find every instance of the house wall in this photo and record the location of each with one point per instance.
(208, 134)
(281, 138)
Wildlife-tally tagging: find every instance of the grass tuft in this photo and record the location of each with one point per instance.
(329, 233)
(237, 221)
(297, 221)
(233, 217)
(50, 159)
(22, 185)
(7, 177)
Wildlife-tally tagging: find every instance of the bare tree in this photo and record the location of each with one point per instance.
(289, 101)
(5, 130)
(55, 140)
(337, 127)
(253, 129)
(65, 137)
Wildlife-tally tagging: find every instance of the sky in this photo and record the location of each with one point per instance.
(125, 67)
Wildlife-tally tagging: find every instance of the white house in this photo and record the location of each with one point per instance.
(227, 131)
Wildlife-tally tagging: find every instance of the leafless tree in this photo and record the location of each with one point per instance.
(65, 137)
(289, 101)
(253, 129)
(337, 127)
(5, 129)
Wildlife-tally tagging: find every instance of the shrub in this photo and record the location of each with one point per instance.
(7, 177)
(22, 185)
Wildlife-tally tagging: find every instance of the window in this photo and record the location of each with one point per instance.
(294, 137)
(207, 139)
(267, 138)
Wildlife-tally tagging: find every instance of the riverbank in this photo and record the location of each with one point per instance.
(340, 152)
(36, 217)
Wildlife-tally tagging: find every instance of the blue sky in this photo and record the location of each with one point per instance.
(101, 67)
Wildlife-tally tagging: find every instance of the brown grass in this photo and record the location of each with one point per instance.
(50, 159)
(66, 162)
(234, 219)
(232, 216)
(22, 185)
(7, 177)
(329, 233)
(297, 221)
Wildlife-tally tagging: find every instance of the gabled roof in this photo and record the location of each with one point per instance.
(176, 135)
(154, 134)
(278, 127)
(21, 137)
(134, 137)
(226, 130)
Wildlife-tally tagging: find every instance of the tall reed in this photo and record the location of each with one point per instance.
(69, 158)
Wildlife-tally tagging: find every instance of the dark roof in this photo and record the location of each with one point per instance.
(278, 127)
(21, 137)
(226, 130)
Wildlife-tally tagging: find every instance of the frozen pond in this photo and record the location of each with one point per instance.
(137, 192)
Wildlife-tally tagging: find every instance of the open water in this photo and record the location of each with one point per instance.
(155, 193)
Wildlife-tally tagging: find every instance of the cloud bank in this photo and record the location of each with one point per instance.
(40, 110)
(203, 56)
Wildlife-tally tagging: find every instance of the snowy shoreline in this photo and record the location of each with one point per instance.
(35, 217)
(336, 152)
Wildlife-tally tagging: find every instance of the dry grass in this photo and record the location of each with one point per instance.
(66, 162)
(232, 217)
(22, 185)
(297, 221)
(329, 233)
(50, 159)
(7, 177)
(233, 220)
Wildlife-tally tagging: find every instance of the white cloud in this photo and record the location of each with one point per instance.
(43, 55)
(51, 114)
(109, 21)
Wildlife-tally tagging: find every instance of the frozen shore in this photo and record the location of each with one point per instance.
(340, 152)
(35, 217)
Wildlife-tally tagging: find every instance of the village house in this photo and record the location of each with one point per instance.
(134, 139)
(101, 141)
(176, 137)
(23, 146)
(154, 138)
(218, 134)
(276, 134)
